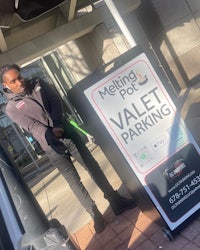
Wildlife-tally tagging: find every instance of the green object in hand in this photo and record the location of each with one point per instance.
(73, 123)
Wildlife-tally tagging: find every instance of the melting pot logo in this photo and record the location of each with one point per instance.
(125, 85)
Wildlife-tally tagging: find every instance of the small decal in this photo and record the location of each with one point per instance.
(20, 105)
(175, 169)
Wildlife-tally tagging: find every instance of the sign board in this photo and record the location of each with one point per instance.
(140, 116)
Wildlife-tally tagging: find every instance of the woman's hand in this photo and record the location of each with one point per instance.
(58, 132)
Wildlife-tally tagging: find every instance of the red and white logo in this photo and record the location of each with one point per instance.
(176, 169)
(20, 105)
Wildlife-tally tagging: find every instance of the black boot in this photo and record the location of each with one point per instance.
(120, 204)
(99, 222)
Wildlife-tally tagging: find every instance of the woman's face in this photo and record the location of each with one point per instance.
(14, 81)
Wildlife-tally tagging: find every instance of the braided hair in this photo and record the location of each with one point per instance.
(4, 69)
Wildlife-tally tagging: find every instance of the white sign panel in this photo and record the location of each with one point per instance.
(140, 116)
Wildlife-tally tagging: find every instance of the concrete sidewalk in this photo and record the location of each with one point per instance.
(132, 229)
